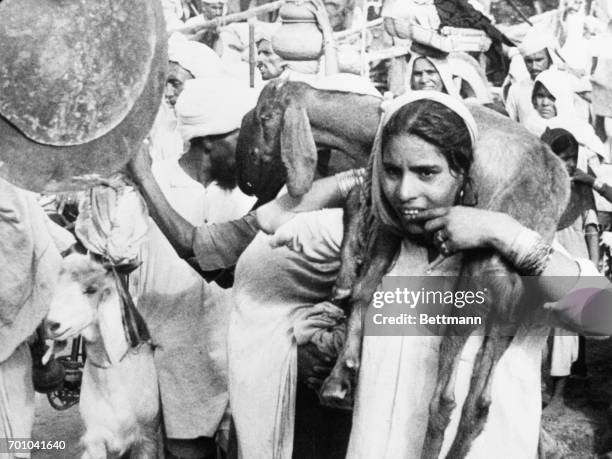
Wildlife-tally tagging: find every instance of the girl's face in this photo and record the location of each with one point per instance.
(544, 103)
(417, 177)
(570, 160)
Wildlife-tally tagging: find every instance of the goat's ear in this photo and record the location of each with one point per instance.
(298, 150)
(110, 321)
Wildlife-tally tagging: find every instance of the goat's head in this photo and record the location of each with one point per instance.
(276, 143)
(86, 302)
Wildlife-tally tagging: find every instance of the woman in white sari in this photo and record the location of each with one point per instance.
(421, 165)
(419, 171)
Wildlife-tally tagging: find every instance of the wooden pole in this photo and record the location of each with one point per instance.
(252, 51)
(224, 20)
(520, 13)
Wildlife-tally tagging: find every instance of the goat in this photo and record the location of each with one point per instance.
(525, 170)
(119, 401)
(279, 138)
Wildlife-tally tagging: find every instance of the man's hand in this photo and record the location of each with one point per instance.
(313, 366)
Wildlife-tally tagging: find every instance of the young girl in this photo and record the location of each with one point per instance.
(553, 101)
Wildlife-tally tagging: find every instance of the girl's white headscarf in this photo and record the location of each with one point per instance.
(560, 86)
(444, 70)
(381, 208)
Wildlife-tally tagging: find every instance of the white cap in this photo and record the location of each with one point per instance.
(213, 106)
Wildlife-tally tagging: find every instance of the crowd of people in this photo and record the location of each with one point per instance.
(237, 290)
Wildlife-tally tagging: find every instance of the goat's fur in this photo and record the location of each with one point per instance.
(119, 401)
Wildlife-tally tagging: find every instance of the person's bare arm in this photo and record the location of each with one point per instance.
(591, 235)
(325, 193)
(330, 50)
(177, 230)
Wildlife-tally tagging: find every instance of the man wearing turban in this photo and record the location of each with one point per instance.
(537, 50)
(187, 316)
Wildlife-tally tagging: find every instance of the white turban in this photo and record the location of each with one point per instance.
(213, 106)
(535, 40)
(200, 60)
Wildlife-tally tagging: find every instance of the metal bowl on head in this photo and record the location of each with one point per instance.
(81, 85)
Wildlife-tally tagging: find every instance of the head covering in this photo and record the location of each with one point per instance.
(468, 69)
(560, 140)
(443, 68)
(212, 106)
(538, 39)
(200, 60)
(559, 84)
(381, 208)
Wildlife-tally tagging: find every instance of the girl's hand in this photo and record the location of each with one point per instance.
(461, 228)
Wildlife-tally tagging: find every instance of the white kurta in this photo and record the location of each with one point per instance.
(187, 317)
(272, 287)
(399, 373)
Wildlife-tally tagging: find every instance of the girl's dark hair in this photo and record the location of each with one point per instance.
(561, 141)
(437, 124)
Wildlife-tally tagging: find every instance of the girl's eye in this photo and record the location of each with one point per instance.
(427, 174)
(392, 171)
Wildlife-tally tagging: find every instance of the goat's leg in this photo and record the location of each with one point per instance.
(442, 401)
(476, 407)
(337, 389)
(349, 251)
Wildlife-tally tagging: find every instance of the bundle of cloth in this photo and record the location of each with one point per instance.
(113, 221)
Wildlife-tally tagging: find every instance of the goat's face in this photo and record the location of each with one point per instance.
(276, 143)
(82, 286)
